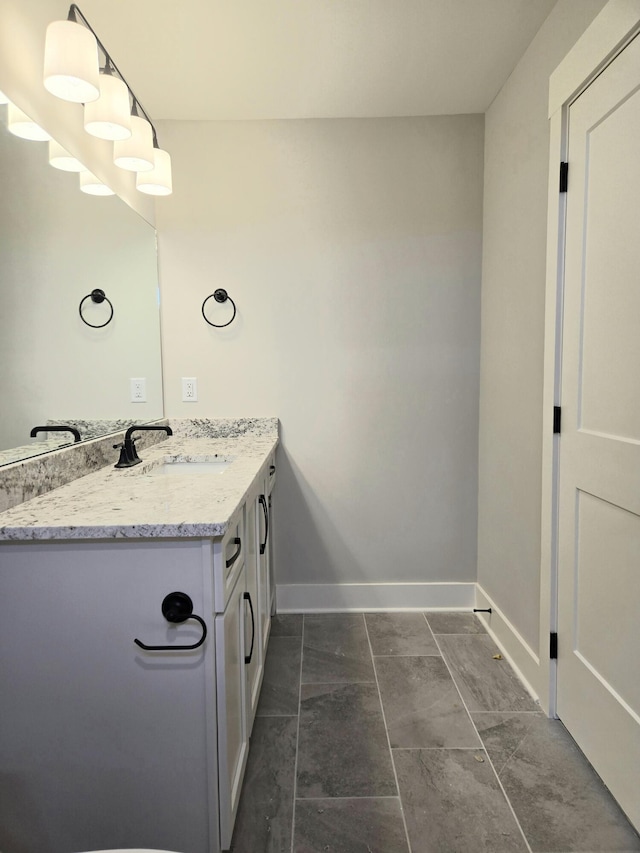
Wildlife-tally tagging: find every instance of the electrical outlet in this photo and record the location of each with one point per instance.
(138, 390)
(189, 389)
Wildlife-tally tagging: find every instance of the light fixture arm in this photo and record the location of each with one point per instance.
(110, 66)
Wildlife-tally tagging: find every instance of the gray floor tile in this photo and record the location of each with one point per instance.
(400, 634)
(453, 803)
(349, 826)
(342, 746)
(265, 813)
(485, 684)
(421, 705)
(280, 690)
(336, 649)
(560, 801)
(286, 625)
(455, 623)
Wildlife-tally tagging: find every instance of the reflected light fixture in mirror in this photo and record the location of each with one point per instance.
(93, 186)
(109, 117)
(71, 70)
(21, 125)
(60, 158)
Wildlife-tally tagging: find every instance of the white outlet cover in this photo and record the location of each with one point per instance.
(189, 389)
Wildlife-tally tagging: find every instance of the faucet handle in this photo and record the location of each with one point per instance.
(133, 453)
(123, 461)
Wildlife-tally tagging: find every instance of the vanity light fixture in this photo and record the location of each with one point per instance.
(93, 186)
(158, 180)
(109, 117)
(71, 70)
(60, 158)
(21, 125)
(69, 65)
(136, 153)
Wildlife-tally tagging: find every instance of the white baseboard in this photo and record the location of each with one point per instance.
(345, 597)
(512, 644)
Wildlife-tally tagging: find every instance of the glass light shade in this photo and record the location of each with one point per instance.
(110, 116)
(21, 125)
(92, 186)
(71, 69)
(60, 158)
(157, 181)
(3, 98)
(136, 153)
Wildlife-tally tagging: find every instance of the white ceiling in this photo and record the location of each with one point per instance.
(280, 59)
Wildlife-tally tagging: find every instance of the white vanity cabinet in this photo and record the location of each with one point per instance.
(104, 744)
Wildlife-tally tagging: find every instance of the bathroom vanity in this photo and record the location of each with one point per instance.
(106, 743)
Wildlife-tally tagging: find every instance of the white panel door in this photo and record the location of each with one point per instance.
(599, 498)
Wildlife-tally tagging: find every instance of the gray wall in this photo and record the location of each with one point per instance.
(513, 286)
(352, 248)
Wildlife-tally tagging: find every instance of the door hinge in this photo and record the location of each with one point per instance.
(564, 177)
(557, 419)
(553, 645)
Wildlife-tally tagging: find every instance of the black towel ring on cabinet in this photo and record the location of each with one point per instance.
(96, 296)
(220, 295)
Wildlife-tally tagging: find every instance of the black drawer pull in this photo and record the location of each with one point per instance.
(247, 597)
(263, 502)
(177, 607)
(237, 541)
(272, 470)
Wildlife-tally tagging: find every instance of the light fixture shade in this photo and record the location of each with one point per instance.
(3, 98)
(21, 125)
(60, 158)
(110, 116)
(136, 153)
(157, 181)
(93, 186)
(71, 69)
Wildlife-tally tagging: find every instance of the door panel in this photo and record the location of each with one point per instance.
(599, 486)
(232, 729)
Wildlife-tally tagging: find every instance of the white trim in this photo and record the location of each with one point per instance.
(511, 643)
(346, 597)
(608, 33)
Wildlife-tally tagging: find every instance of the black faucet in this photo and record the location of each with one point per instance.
(128, 453)
(55, 428)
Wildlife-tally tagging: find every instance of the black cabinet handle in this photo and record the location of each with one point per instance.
(177, 607)
(263, 502)
(247, 658)
(272, 470)
(237, 541)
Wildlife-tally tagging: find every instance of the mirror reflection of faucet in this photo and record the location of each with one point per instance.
(57, 428)
(128, 453)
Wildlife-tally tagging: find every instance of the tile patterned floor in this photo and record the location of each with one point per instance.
(400, 733)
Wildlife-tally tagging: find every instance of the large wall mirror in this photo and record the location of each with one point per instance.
(57, 246)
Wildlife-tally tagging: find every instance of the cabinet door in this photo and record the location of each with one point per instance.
(264, 580)
(232, 720)
(253, 640)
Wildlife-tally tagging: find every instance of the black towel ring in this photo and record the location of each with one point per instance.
(96, 296)
(220, 295)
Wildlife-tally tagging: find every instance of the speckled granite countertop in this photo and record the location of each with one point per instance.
(132, 503)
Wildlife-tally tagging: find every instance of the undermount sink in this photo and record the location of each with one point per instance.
(216, 466)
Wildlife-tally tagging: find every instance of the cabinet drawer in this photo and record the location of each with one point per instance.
(228, 560)
(271, 472)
